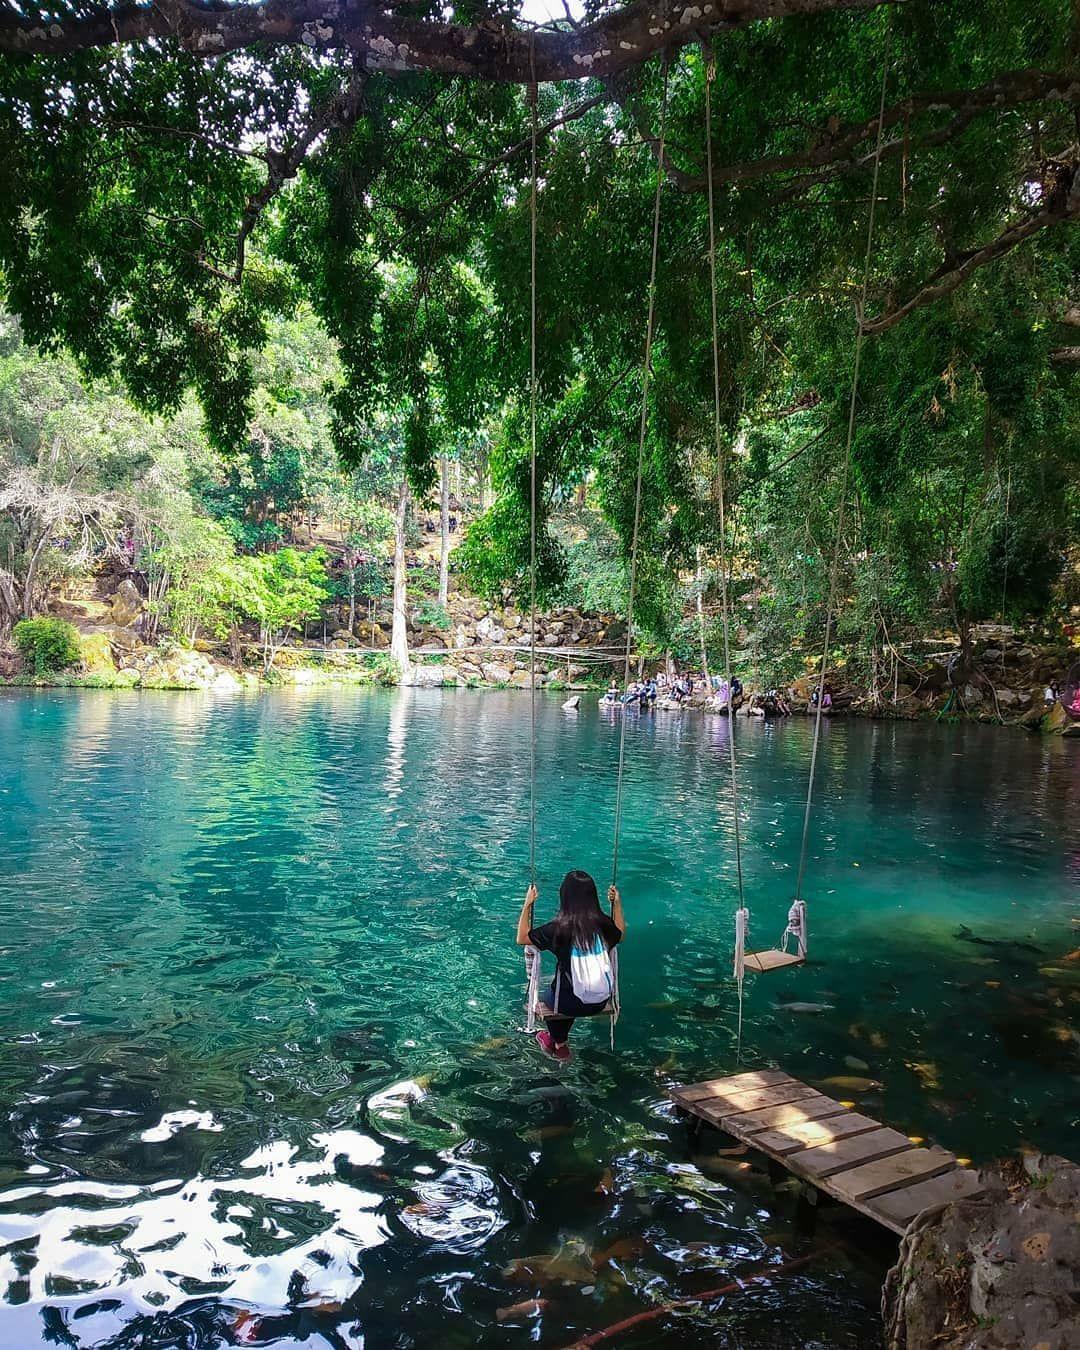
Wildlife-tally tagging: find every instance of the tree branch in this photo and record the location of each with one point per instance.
(341, 110)
(384, 40)
(513, 151)
(835, 148)
(1062, 207)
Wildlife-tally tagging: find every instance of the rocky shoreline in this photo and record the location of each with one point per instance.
(478, 646)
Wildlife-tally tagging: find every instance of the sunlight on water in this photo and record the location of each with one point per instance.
(260, 1061)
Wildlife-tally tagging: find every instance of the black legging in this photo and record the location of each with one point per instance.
(559, 1027)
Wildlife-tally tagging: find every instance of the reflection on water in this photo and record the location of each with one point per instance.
(260, 1067)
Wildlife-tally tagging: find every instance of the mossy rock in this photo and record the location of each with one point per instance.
(96, 654)
(1055, 721)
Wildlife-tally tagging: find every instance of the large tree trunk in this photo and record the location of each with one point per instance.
(31, 576)
(444, 531)
(9, 603)
(399, 635)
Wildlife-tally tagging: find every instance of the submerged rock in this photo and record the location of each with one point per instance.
(995, 1271)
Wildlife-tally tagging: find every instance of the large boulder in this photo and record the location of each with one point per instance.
(992, 1272)
(96, 654)
(127, 604)
(179, 669)
(431, 677)
(123, 639)
(1056, 720)
(494, 673)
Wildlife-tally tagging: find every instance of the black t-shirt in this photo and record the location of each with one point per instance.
(544, 939)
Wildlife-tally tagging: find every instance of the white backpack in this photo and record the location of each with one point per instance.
(590, 972)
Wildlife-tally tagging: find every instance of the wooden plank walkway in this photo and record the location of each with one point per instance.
(876, 1170)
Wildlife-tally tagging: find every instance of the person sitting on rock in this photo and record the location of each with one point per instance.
(582, 937)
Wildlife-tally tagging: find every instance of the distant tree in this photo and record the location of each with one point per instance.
(280, 591)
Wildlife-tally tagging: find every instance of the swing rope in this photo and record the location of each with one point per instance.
(721, 488)
(532, 956)
(860, 335)
(534, 101)
(650, 328)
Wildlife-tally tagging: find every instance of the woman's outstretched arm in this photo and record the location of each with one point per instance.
(525, 917)
(615, 900)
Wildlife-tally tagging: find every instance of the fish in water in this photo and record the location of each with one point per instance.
(532, 1307)
(544, 1132)
(861, 1032)
(811, 1009)
(964, 934)
(495, 1043)
(571, 1264)
(847, 1083)
(728, 1167)
(550, 1092)
(854, 1062)
(401, 1094)
(927, 1074)
(622, 1249)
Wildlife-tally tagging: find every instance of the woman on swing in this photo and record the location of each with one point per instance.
(582, 937)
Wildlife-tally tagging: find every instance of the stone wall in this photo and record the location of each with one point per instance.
(473, 623)
(489, 645)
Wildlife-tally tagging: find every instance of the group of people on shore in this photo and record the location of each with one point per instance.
(663, 688)
(675, 690)
(715, 693)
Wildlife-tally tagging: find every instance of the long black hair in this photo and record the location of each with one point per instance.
(580, 917)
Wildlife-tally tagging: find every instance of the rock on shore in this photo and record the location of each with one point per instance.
(1001, 1270)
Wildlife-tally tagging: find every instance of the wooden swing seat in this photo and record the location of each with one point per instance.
(542, 1010)
(774, 959)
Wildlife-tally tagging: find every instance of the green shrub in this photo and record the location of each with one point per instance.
(47, 644)
(383, 667)
(430, 614)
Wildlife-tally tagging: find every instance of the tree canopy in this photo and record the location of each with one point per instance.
(176, 178)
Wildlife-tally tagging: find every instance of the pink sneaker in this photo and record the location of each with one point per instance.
(559, 1052)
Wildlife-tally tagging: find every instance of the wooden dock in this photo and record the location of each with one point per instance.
(876, 1170)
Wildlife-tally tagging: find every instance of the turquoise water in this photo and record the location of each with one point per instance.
(260, 1070)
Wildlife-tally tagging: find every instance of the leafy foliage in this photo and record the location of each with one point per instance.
(167, 220)
(48, 644)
